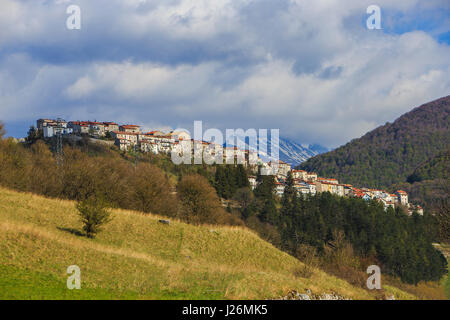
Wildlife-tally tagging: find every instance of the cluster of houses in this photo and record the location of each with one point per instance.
(128, 137)
(131, 137)
(308, 183)
(125, 137)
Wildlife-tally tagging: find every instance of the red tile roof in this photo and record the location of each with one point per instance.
(127, 133)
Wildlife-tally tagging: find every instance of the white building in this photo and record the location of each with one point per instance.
(402, 197)
(299, 174)
(180, 135)
(387, 203)
(311, 176)
(49, 131)
(149, 146)
(130, 128)
(252, 181)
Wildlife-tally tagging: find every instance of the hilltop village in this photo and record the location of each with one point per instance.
(130, 137)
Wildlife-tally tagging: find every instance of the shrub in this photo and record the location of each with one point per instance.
(15, 166)
(45, 178)
(308, 255)
(200, 203)
(340, 260)
(152, 191)
(94, 215)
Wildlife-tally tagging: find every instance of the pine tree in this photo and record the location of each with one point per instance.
(265, 192)
(33, 135)
(220, 181)
(241, 177)
(230, 176)
(287, 201)
(269, 212)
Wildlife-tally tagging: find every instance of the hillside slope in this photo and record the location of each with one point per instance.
(136, 257)
(390, 153)
(429, 183)
(435, 168)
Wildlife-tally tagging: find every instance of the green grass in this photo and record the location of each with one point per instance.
(447, 284)
(447, 287)
(27, 284)
(136, 257)
(30, 285)
(445, 249)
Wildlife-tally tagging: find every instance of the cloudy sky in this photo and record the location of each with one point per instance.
(310, 68)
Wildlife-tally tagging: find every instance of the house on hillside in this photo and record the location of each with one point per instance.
(302, 190)
(50, 131)
(329, 180)
(347, 189)
(125, 140)
(356, 193)
(386, 203)
(376, 193)
(283, 168)
(122, 143)
(385, 196)
(394, 198)
(131, 128)
(110, 126)
(155, 133)
(304, 187)
(312, 188)
(79, 127)
(340, 190)
(149, 146)
(279, 168)
(402, 197)
(322, 185)
(234, 155)
(418, 209)
(51, 127)
(42, 123)
(166, 144)
(180, 135)
(96, 129)
(311, 176)
(252, 182)
(299, 174)
(252, 159)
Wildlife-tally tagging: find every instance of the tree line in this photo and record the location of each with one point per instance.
(92, 171)
(402, 245)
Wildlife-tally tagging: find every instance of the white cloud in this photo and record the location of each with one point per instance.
(308, 68)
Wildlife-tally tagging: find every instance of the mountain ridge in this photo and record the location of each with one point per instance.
(289, 151)
(390, 153)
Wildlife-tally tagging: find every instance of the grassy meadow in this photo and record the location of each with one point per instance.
(136, 257)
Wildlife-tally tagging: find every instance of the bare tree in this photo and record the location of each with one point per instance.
(2, 130)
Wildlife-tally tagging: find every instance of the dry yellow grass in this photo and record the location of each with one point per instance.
(138, 257)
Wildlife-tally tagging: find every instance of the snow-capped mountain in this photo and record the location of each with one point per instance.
(290, 151)
(295, 153)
